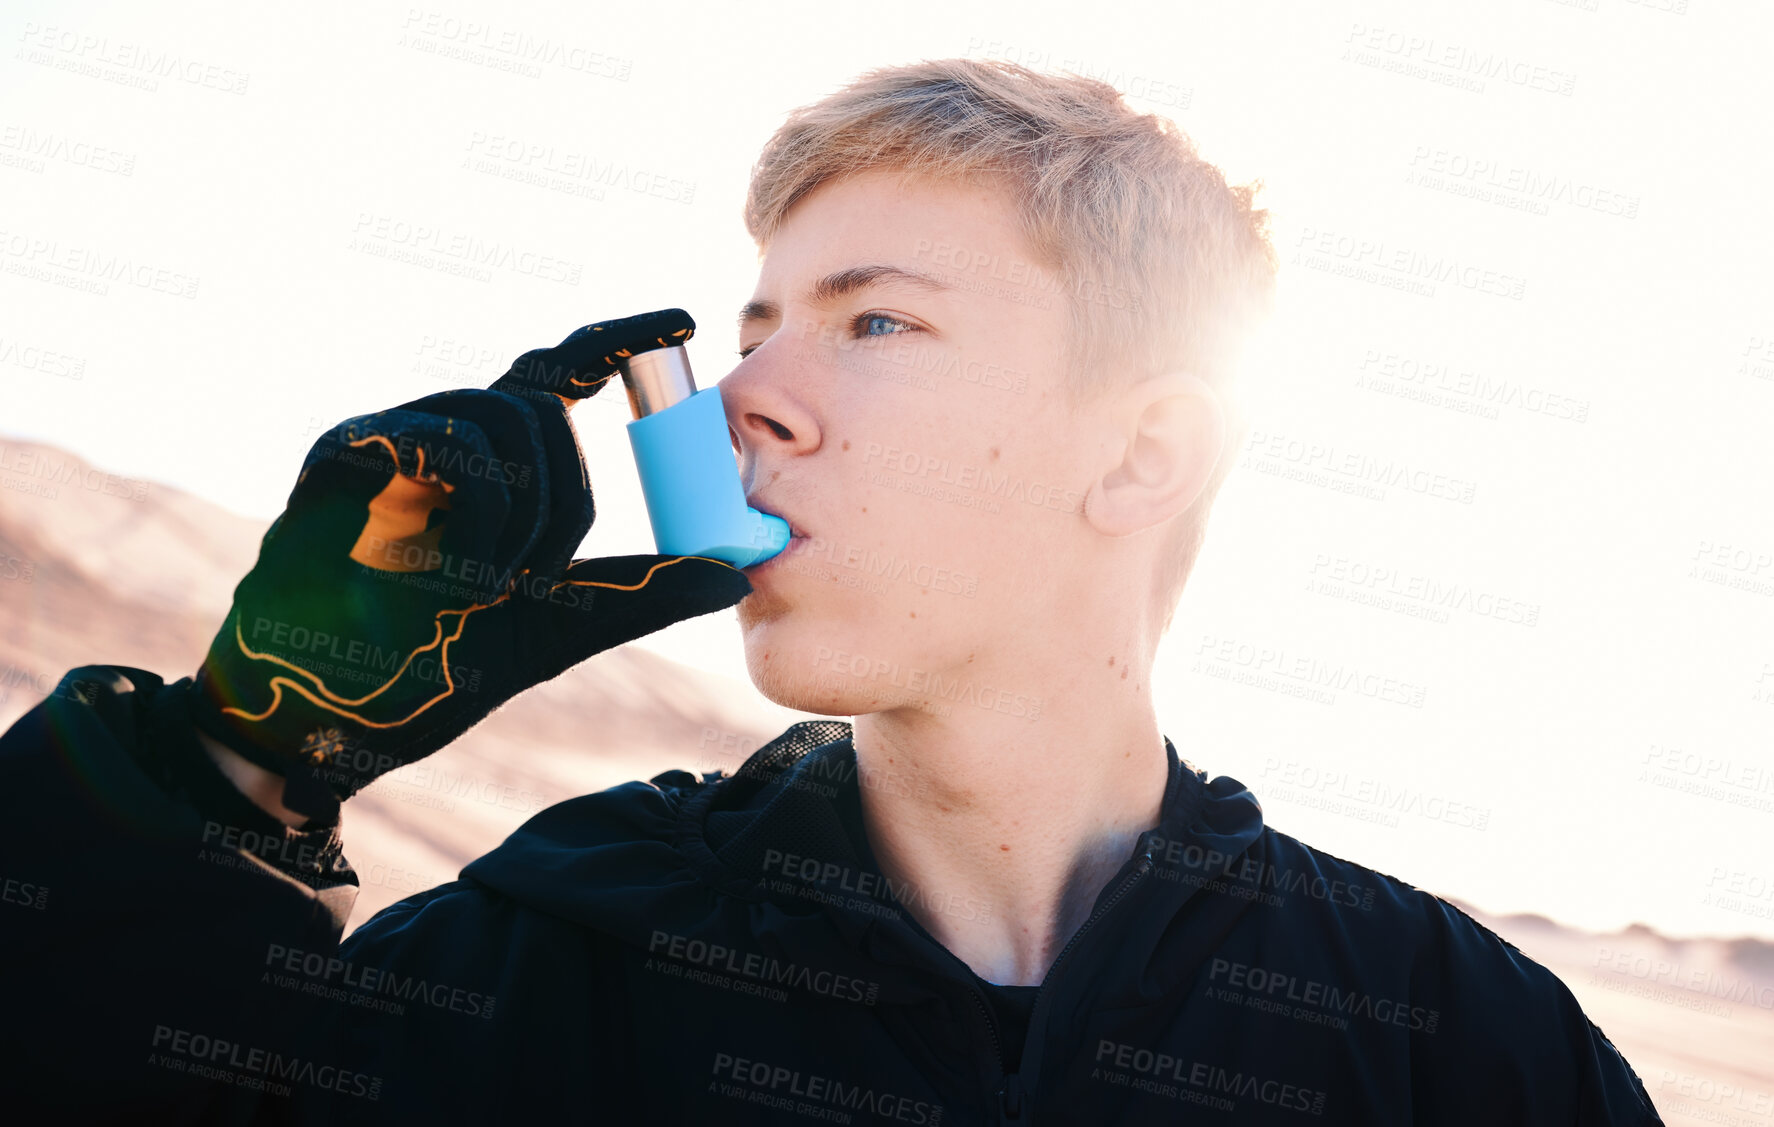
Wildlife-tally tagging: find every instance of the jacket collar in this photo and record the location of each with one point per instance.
(781, 843)
(788, 825)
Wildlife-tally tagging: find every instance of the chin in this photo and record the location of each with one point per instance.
(799, 691)
(781, 660)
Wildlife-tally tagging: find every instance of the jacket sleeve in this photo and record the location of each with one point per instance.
(146, 905)
(1514, 1044)
(1611, 1092)
(531, 1003)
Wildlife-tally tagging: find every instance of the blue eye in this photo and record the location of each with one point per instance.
(863, 325)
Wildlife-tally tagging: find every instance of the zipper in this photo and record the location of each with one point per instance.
(991, 1024)
(1010, 1090)
(1127, 883)
(1013, 1104)
(1011, 1094)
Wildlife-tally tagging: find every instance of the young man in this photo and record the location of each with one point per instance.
(991, 338)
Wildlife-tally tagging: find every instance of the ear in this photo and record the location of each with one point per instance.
(1175, 432)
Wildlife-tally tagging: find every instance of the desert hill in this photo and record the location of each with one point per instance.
(98, 568)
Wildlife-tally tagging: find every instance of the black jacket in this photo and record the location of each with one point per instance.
(722, 950)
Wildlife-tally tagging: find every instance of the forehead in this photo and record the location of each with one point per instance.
(943, 226)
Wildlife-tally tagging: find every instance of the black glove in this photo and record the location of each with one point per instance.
(421, 575)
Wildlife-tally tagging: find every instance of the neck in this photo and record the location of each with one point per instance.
(1006, 830)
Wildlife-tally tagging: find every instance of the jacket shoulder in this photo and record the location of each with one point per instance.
(1432, 939)
(1498, 1027)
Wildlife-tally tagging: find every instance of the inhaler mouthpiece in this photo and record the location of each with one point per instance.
(685, 458)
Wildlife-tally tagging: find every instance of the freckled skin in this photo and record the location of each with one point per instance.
(1044, 583)
(849, 493)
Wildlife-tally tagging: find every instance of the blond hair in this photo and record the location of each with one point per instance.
(1164, 266)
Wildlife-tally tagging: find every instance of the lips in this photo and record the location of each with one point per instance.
(794, 528)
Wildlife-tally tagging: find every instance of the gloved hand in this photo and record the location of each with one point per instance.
(421, 575)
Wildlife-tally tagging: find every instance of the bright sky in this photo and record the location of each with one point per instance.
(1525, 281)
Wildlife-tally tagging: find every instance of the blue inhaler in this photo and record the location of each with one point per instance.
(685, 457)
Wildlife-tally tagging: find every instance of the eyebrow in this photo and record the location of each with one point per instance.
(841, 283)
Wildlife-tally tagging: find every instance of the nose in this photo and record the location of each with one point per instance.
(768, 416)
